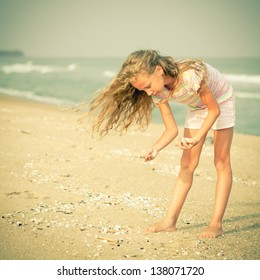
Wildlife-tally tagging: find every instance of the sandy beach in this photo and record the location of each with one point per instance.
(65, 195)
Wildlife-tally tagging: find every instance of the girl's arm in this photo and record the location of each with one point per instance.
(209, 100)
(168, 135)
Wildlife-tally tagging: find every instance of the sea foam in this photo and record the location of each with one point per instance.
(109, 73)
(32, 96)
(247, 95)
(243, 78)
(30, 67)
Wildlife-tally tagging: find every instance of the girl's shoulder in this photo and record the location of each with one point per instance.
(191, 79)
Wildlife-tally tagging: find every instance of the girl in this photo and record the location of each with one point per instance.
(147, 78)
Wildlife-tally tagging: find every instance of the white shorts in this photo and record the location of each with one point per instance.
(226, 119)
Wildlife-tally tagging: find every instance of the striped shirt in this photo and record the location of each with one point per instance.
(188, 92)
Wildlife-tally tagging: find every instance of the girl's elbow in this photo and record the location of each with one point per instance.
(174, 132)
(218, 112)
(215, 111)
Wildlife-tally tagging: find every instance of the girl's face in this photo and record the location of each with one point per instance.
(151, 84)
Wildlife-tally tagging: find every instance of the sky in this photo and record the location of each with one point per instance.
(91, 28)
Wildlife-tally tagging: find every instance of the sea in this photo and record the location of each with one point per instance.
(69, 81)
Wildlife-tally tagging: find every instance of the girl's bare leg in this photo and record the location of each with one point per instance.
(189, 162)
(222, 145)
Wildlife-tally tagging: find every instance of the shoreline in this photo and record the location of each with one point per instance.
(66, 196)
(58, 105)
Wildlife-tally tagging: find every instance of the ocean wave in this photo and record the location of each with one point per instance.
(32, 96)
(247, 95)
(30, 67)
(243, 78)
(109, 73)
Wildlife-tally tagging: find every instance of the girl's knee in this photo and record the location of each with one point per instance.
(189, 163)
(222, 163)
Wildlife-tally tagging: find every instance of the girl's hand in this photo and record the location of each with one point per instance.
(186, 143)
(150, 154)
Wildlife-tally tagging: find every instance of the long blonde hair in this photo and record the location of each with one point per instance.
(120, 105)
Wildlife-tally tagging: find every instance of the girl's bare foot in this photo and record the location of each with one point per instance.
(212, 232)
(162, 226)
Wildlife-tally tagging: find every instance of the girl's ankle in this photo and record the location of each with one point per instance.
(215, 224)
(170, 221)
